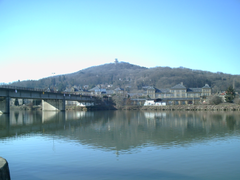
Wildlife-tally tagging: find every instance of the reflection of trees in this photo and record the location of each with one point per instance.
(230, 119)
(16, 114)
(132, 129)
(16, 103)
(123, 130)
(216, 117)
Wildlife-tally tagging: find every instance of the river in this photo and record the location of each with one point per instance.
(121, 145)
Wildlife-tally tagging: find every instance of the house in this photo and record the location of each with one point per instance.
(119, 91)
(110, 92)
(76, 90)
(97, 91)
(85, 87)
(179, 94)
(223, 96)
(136, 95)
(137, 101)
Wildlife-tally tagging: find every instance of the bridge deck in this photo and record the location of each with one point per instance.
(29, 93)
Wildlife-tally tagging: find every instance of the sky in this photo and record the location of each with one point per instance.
(41, 38)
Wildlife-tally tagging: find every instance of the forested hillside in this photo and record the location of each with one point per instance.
(127, 75)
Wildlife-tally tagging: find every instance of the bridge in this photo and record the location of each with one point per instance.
(50, 100)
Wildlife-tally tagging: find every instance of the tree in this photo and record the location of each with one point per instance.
(215, 100)
(61, 87)
(16, 103)
(128, 101)
(230, 94)
(53, 81)
(119, 100)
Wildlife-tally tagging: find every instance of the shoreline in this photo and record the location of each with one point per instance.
(220, 107)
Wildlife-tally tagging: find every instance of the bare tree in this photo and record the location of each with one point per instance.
(215, 100)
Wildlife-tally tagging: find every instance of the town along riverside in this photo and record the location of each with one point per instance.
(178, 97)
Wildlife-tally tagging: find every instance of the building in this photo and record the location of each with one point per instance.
(97, 91)
(222, 95)
(119, 91)
(180, 94)
(154, 102)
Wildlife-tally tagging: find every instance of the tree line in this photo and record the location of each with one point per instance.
(135, 77)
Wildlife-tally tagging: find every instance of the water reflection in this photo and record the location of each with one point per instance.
(123, 130)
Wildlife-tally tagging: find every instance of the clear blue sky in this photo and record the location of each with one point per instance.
(41, 37)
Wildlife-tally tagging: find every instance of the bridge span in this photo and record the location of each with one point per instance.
(50, 100)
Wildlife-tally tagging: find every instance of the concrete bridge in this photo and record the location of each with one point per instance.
(50, 100)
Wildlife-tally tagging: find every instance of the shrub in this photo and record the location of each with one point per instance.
(215, 100)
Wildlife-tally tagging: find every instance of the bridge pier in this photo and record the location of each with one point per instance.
(53, 105)
(5, 105)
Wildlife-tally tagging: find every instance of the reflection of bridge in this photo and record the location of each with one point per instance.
(50, 100)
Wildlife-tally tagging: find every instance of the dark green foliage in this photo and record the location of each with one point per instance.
(231, 122)
(230, 94)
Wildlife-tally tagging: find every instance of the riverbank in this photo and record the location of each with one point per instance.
(220, 107)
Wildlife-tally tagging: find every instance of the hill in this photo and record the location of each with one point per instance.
(128, 75)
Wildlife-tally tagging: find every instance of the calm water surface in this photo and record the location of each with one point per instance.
(121, 145)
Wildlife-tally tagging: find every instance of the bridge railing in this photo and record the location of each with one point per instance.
(43, 90)
(21, 88)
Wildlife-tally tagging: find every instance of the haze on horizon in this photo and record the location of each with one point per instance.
(39, 38)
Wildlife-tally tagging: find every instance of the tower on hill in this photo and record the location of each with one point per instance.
(116, 61)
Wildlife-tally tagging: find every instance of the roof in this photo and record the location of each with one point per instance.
(140, 99)
(119, 89)
(223, 93)
(164, 91)
(179, 86)
(97, 89)
(147, 87)
(110, 91)
(194, 90)
(206, 86)
(179, 99)
(135, 94)
(76, 89)
(93, 89)
(150, 88)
